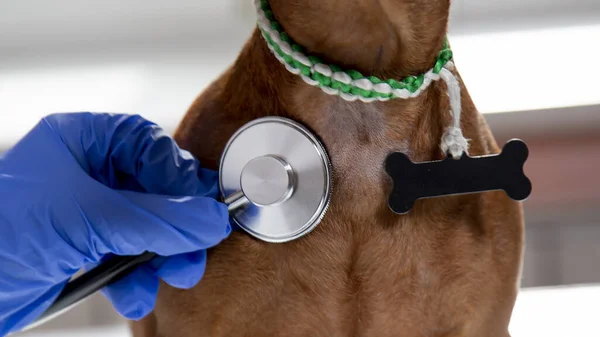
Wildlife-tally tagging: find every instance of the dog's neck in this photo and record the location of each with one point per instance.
(353, 85)
(357, 135)
(384, 38)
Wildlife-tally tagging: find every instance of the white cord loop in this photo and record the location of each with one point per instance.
(453, 141)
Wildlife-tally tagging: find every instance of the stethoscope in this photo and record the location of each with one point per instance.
(275, 177)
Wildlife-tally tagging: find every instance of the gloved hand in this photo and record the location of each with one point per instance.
(81, 187)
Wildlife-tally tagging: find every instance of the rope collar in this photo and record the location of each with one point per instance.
(351, 85)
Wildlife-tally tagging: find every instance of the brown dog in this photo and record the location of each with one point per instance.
(449, 268)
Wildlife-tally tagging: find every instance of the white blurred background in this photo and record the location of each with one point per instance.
(530, 65)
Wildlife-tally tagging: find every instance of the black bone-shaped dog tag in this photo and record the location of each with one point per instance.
(414, 181)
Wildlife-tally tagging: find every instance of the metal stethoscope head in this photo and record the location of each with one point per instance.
(274, 176)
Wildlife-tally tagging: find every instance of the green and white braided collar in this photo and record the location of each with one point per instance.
(352, 85)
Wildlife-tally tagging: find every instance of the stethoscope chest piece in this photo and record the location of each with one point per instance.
(275, 176)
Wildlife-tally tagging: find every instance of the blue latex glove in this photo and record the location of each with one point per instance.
(81, 187)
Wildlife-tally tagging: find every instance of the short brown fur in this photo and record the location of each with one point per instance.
(449, 268)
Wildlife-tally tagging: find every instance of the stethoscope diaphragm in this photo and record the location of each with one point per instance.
(281, 175)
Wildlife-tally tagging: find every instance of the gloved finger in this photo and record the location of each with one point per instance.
(132, 153)
(181, 271)
(130, 223)
(134, 296)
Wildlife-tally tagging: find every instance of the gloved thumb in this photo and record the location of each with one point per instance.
(170, 225)
(130, 223)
